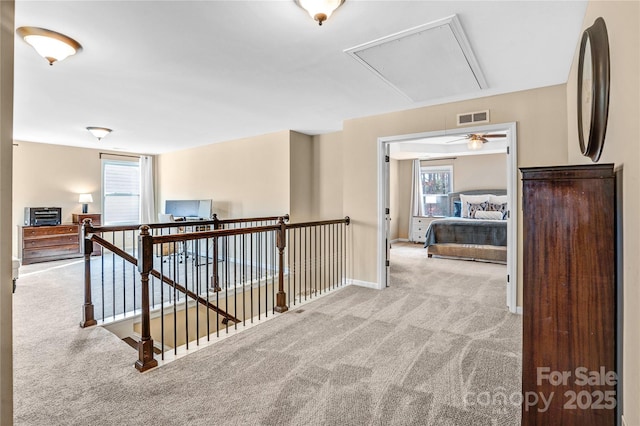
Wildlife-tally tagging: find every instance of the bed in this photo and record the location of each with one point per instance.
(475, 230)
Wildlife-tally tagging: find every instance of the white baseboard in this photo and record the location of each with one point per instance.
(366, 284)
(400, 240)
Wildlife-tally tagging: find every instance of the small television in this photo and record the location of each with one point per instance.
(188, 209)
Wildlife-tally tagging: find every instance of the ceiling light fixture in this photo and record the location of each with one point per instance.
(475, 143)
(320, 10)
(99, 132)
(49, 44)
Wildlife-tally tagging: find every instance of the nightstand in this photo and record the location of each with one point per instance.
(419, 229)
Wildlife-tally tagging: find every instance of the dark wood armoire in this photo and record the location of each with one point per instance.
(569, 288)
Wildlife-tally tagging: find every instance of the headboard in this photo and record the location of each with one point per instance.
(455, 196)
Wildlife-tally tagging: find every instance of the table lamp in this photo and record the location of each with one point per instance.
(429, 201)
(84, 199)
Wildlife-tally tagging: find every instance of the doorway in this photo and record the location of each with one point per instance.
(435, 145)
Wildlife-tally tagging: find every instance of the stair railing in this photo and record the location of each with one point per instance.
(212, 280)
(111, 274)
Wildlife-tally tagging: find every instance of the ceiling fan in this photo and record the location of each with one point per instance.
(475, 140)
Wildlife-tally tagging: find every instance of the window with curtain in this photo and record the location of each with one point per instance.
(121, 192)
(435, 183)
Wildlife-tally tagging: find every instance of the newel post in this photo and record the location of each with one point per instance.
(87, 308)
(281, 296)
(145, 264)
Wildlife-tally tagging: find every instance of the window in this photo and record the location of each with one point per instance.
(121, 192)
(435, 183)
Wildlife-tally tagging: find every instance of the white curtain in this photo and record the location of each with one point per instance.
(417, 208)
(147, 197)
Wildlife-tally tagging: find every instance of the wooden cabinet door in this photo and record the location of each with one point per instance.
(569, 289)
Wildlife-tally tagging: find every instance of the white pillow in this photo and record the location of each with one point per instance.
(498, 199)
(475, 199)
(492, 215)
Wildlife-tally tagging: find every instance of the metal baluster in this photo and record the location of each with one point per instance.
(124, 279)
(113, 275)
(186, 298)
(251, 273)
(259, 266)
(133, 274)
(175, 299)
(206, 274)
(216, 289)
(102, 286)
(195, 274)
(162, 300)
(235, 280)
(244, 279)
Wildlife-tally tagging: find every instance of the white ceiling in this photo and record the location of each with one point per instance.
(169, 75)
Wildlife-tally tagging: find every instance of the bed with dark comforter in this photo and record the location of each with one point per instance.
(467, 238)
(467, 231)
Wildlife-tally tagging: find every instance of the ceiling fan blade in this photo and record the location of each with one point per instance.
(493, 136)
(457, 140)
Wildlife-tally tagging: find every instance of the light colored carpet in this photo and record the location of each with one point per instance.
(435, 348)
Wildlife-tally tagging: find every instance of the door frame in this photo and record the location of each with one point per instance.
(512, 182)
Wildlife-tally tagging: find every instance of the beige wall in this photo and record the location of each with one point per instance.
(52, 176)
(301, 186)
(542, 132)
(469, 172)
(244, 178)
(6, 139)
(622, 147)
(480, 172)
(327, 176)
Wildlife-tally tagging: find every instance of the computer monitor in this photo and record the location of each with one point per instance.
(191, 209)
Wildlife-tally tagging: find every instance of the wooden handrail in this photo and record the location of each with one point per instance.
(180, 223)
(214, 233)
(346, 220)
(253, 219)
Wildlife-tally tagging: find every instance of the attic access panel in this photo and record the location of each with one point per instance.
(430, 61)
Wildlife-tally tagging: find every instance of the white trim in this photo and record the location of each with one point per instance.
(382, 269)
(512, 181)
(512, 221)
(400, 240)
(519, 310)
(366, 284)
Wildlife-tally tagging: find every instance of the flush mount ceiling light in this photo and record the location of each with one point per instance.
(99, 132)
(49, 44)
(320, 10)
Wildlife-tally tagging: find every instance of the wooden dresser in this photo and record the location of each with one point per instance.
(569, 290)
(96, 220)
(44, 243)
